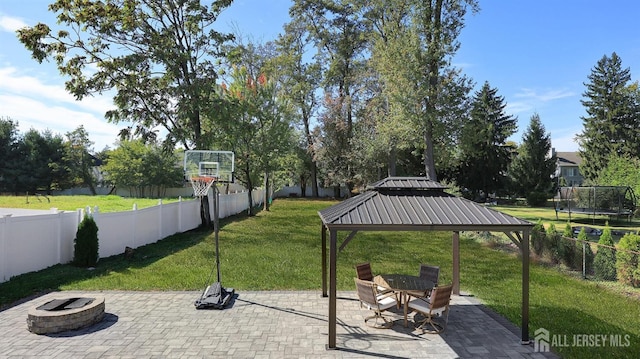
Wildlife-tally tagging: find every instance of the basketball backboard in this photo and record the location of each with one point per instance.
(215, 164)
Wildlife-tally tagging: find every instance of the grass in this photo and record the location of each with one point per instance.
(111, 203)
(280, 250)
(548, 215)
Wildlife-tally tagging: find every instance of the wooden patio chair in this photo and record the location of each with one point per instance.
(372, 300)
(437, 306)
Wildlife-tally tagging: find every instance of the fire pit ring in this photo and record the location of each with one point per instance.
(62, 314)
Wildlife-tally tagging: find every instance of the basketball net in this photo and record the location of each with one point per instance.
(201, 184)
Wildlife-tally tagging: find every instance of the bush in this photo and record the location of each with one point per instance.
(537, 199)
(604, 263)
(552, 244)
(568, 249)
(627, 264)
(85, 245)
(538, 238)
(588, 252)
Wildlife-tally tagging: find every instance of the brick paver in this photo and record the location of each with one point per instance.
(268, 324)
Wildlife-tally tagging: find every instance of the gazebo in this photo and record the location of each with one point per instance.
(416, 204)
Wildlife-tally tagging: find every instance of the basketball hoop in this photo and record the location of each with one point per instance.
(201, 184)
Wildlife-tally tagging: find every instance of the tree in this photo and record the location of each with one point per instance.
(627, 260)
(158, 55)
(140, 167)
(612, 122)
(533, 167)
(338, 33)
(621, 171)
(258, 128)
(604, 263)
(484, 155)
(86, 243)
(45, 158)
(12, 156)
(79, 159)
(414, 44)
(586, 253)
(299, 83)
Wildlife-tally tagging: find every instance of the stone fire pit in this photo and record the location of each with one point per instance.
(62, 314)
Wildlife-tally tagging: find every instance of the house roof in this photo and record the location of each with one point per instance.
(415, 203)
(568, 158)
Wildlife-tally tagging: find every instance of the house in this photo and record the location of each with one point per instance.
(569, 167)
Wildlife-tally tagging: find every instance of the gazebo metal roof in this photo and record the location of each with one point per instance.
(417, 204)
(381, 208)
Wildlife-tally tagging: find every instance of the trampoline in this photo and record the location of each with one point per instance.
(612, 201)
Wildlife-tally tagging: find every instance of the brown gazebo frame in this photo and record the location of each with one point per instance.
(416, 204)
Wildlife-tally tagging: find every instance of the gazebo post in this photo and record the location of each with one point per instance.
(333, 246)
(525, 286)
(456, 263)
(324, 261)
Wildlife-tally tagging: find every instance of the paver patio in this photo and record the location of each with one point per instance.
(265, 324)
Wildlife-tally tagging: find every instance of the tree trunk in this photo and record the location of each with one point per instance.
(205, 213)
(266, 205)
(314, 180)
(250, 199)
(429, 163)
(303, 187)
(434, 48)
(391, 172)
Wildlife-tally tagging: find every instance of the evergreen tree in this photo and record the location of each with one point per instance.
(533, 167)
(612, 122)
(583, 240)
(538, 238)
(570, 254)
(604, 263)
(485, 156)
(552, 244)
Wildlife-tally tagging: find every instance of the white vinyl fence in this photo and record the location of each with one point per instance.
(33, 242)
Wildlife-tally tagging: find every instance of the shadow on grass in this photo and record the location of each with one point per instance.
(28, 286)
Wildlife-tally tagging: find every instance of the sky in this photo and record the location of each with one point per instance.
(538, 54)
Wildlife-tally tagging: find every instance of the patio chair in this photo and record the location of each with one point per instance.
(428, 272)
(438, 306)
(363, 272)
(372, 300)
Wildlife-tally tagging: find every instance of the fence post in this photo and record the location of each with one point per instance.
(3, 248)
(134, 219)
(180, 214)
(160, 219)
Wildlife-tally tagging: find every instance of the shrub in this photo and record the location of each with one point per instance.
(538, 238)
(552, 244)
(568, 251)
(588, 251)
(604, 263)
(627, 264)
(85, 245)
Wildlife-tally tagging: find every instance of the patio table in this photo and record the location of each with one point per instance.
(403, 283)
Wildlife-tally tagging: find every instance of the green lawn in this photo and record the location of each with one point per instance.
(280, 250)
(109, 203)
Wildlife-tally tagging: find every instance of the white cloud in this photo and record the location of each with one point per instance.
(11, 24)
(545, 96)
(41, 106)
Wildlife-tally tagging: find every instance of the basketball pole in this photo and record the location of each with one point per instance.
(216, 221)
